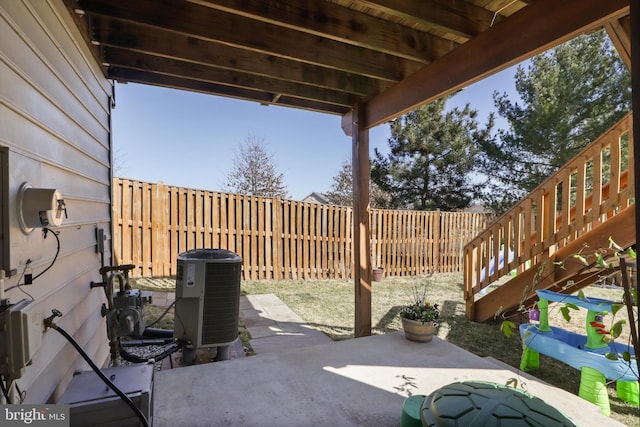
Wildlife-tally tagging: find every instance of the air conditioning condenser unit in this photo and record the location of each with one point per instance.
(207, 297)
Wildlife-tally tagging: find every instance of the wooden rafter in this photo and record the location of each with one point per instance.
(262, 97)
(325, 54)
(244, 33)
(118, 58)
(466, 19)
(339, 23)
(167, 44)
(619, 31)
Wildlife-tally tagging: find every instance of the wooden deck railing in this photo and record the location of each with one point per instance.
(594, 186)
(278, 239)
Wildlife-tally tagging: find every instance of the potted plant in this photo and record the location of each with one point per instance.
(419, 319)
(378, 272)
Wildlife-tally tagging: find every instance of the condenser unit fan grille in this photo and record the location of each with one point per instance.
(220, 303)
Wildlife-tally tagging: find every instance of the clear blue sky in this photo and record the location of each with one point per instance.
(189, 139)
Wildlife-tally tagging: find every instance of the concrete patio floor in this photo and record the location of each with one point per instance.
(274, 327)
(358, 382)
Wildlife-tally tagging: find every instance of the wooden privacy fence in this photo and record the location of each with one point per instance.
(278, 239)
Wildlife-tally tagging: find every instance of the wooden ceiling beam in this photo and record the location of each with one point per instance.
(341, 24)
(173, 82)
(305, 104)
(121, 59)
(245, 33)
(458, 17)
(113, 33)
(547, 23)
(85, 29)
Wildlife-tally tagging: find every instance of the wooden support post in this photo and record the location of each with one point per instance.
(361, 228)
(634, 14)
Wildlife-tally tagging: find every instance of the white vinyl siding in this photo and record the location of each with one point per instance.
(54, 120)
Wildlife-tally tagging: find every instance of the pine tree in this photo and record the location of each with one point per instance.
(569, 96)
(432, 157)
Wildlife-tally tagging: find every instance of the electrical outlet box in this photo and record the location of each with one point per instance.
(100, 238)
(21, 331)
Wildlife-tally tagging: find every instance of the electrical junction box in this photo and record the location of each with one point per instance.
(93, 404)
(17, 246)
(21, 328)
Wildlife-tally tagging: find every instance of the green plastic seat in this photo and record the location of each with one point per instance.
(411, 411)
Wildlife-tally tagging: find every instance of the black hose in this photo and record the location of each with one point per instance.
(5, 391)
(157, 333)
(162, 315)
(106, 380)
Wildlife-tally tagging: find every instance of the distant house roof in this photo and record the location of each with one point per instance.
(316, 198)
(477, 207)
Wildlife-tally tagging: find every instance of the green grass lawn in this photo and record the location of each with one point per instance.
(328, 305)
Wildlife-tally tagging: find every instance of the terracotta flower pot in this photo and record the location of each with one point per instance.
(378, 273)
(415, 330)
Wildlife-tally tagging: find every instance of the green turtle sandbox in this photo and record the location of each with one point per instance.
(480, 403)
(587, 353)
